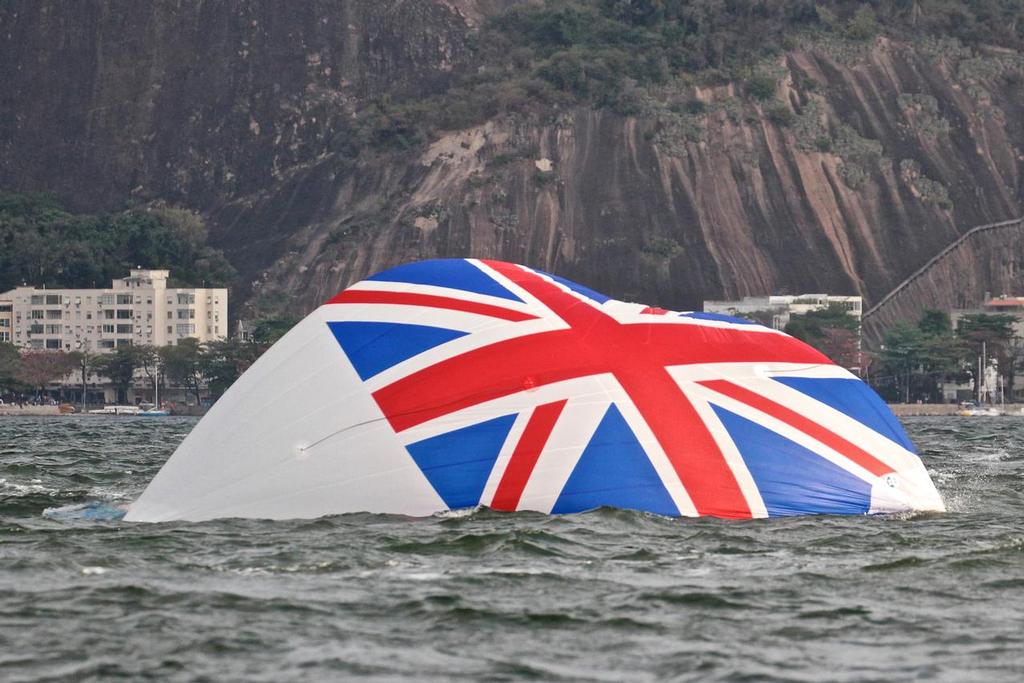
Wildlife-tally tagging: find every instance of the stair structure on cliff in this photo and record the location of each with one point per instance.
(949, 276)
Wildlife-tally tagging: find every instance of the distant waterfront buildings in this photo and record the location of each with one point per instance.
(776, 310)
(1012, 306)
(138, 309)
(842, 346)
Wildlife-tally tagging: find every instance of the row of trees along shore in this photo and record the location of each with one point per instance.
(204, 370)
(911, 365)
(917, 358)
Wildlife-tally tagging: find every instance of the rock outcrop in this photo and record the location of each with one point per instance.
(869, 160)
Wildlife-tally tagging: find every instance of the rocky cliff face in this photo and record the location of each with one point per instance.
(869, 160)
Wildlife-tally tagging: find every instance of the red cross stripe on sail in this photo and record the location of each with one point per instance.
(585, 340)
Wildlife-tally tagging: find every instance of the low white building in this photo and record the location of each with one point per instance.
(138, 309)
(776, 309)
(6, 319)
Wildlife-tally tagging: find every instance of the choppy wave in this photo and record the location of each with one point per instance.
(480, 595)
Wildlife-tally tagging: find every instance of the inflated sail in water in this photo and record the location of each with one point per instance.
(455, 383)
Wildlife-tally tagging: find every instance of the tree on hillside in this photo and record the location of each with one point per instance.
(45, 245)
(267, 331)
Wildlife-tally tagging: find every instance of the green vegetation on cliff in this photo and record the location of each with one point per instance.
(607, 53)
(43, 245)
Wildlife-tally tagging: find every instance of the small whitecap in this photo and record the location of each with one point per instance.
(456, 514)
(94, 571)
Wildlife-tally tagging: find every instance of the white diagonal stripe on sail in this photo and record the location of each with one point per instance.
(731, 453)
(783, 429)
(656, 454)
(509, 447)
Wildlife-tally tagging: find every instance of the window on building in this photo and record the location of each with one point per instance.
(88, 315)
(53, 343)
(5, 336)
(170, 315)
(106, 343)
(124, 329)
(53, 299)
(186, 313)
(4, 322)
(170, 330)
(185, 330)
(53, 315)
(186, 298)
(36, 314)
(108, 329)
(108, 314)
(38, 299)
(35, 329)
(123, 299)
(124, 314)
(124, 342)
(106, 299)
(54, 329)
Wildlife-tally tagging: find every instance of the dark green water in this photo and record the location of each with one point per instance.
(606, 596)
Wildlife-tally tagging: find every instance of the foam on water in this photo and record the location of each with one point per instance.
(92, 510)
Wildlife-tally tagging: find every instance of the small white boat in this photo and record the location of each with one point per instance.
(974, 409)
(153, 412)
(116, 410)
(154, 409)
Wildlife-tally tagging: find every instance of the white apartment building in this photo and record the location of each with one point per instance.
(780, 307)
(6, 320)
(138, 309)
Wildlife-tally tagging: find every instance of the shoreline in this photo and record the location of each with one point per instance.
(898, 409)
(34, 411)
(941, 409)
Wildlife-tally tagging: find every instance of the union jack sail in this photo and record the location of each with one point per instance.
(458, 383)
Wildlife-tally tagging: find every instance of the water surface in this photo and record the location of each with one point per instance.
(602, 596)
